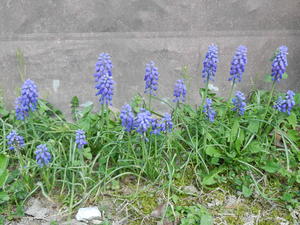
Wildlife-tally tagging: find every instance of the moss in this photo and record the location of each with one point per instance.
(146, 202)
(233, 220)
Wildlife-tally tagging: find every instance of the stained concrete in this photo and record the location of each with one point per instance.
(62, 39)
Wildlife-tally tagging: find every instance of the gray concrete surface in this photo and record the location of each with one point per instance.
(62, 39)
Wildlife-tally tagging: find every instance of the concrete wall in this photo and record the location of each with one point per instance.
(61, 40)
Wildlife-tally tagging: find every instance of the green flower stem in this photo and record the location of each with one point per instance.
(231, 90)
(205, 92)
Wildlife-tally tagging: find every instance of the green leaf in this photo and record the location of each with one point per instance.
(239, 140)
(3, 162)
(292, 118)
(206, 219)
(210, 178)
(4, 197)
(212, 151)
(87, 153)
(285, 76)
(271, 167)
(247, 192)
(3, 177)
(268, 78)
(253, 126)
(234, 130)
(298, 178)
(254, 147)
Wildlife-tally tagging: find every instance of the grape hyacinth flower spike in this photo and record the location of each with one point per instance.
(210, 63)
(238, 64)
(156, 126)
(27, 101)
(143, 121)
(105, 88)
(127, 118)
(80, 139)
(209, 111)
(103, 79)
(166, 123)
(285, 105)
(279, 63)
(43, 156)
(14, 140)
(179, 91)
(151, 78)
(103, 66)
(239, 103)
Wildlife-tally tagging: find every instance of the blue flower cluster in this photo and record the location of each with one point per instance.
(239, 103)
(103, 66)
(209, 111)
(144, 121)
(166, 124)
(151, 79)
(286, 105)
(14, 140)
(210, 63)
(105, 88)
(80, 139)
(127, 118)
(27, 101)
(43, 156)
(103, 79)
(179, 91)
(238, 64)
(279, 63)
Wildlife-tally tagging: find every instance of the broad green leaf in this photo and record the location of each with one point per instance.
(285, 76)
(212, 151)
(292, 118)
(210, 178)
(87, 153)
(254, 147)
(206, 219)
(247, 192)
(3, 177)
(3, 162)
(253, 126)
(4, 197)
(268, 78)
(271, 167)
(234, 130)
(239, 140)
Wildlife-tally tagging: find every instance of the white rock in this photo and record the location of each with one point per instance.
(89, 213)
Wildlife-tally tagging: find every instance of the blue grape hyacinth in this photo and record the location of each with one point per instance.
(210, 63)
(105, 88)
(80, 139)
(209, 111)
(14, 140)
(239, 103)
(279, 63)
(286, 105)
(27, 101)
(127, 118)
(156, 126)
(166, 123)
(179, 91)
(43, 156)
(143, 121)
(103, 66)
(151, 79)
(238, 64)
